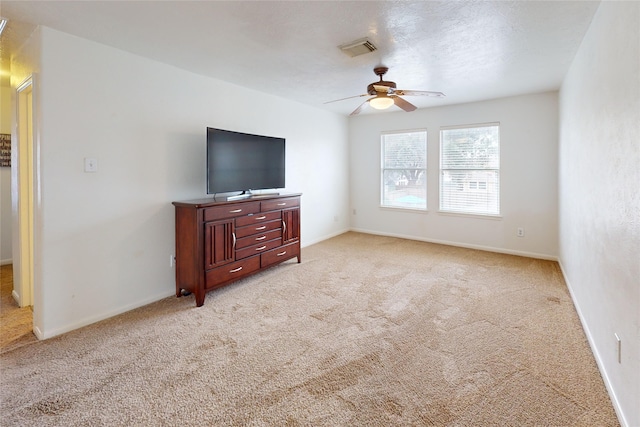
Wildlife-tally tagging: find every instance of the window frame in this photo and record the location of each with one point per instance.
(424, 170)
(478, 180)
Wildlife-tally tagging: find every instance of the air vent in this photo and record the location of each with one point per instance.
(358, 47)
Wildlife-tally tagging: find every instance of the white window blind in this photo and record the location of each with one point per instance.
(470, 169)
(404, 169)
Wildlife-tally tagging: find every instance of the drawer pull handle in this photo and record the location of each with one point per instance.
(282, 204)
(235, 270)
(261, 238)
(284, 228)
(282, 253)
(235, 211)
(261, 218)
(234, 240)
(261, 228)
(261, 248)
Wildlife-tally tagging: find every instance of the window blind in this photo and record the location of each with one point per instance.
(404, 169)
(470, 169)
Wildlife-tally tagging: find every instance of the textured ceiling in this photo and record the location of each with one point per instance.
(468, 50)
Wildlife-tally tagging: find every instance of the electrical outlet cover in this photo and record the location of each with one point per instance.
(90, 164)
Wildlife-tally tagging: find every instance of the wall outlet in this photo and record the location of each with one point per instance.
(172, 260)
(618, 347)
(90, 164)
(520, 232)
(335, 218)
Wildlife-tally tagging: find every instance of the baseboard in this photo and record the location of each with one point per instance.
(596, 354)
(38, 333)
(103, 316)
(329, 236)
(16, 297)
(461, 245)
(6, 261)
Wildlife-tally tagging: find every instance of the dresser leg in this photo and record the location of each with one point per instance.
(199, 298)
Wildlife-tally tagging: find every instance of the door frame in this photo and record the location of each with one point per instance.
(26, 199)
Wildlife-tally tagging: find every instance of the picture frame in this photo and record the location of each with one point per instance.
(5, 150)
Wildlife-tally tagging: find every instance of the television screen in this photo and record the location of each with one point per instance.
(241, 162)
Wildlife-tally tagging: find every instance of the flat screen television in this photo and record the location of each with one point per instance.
(242, 162)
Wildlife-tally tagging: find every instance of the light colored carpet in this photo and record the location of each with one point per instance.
(16, 324)
(368, 330)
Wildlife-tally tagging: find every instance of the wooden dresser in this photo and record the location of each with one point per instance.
(218, 242)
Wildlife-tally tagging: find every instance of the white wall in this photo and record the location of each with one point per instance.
(528, 150)
(600, 195)
(107, 236)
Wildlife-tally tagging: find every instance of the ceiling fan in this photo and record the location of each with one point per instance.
(385, 94)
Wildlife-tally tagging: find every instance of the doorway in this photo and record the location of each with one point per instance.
(22, 195)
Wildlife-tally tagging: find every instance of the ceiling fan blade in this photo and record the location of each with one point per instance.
(419, 93)
(349, 97)
(361, 107)
(406, 106)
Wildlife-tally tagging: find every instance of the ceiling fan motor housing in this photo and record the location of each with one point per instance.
(371, 90)
(380, 71)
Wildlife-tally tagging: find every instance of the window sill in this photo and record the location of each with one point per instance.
(469, 215)
(399, 208)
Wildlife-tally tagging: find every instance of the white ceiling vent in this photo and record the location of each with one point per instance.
(358, 47)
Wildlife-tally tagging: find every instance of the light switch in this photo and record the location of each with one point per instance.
(90, 164)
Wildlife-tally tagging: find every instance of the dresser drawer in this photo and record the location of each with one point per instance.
(219, 276)
(231, 211)
(256, 249)
(279, 254)
(261, 227)
(258, 238)
(270, 205)
(257, 218)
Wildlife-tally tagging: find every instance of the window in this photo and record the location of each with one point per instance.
(470, 169)
(404, 169)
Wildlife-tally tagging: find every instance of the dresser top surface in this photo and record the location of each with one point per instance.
(212, 201)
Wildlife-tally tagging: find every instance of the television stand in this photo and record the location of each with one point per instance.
(219, 242)
(244, 195)
(266, 195)
(239, 197)
(248, 194)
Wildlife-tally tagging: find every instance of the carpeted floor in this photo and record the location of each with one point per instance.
(16, 324)
(367, 331)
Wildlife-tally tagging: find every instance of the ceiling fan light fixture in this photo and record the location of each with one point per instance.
(381, 102)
